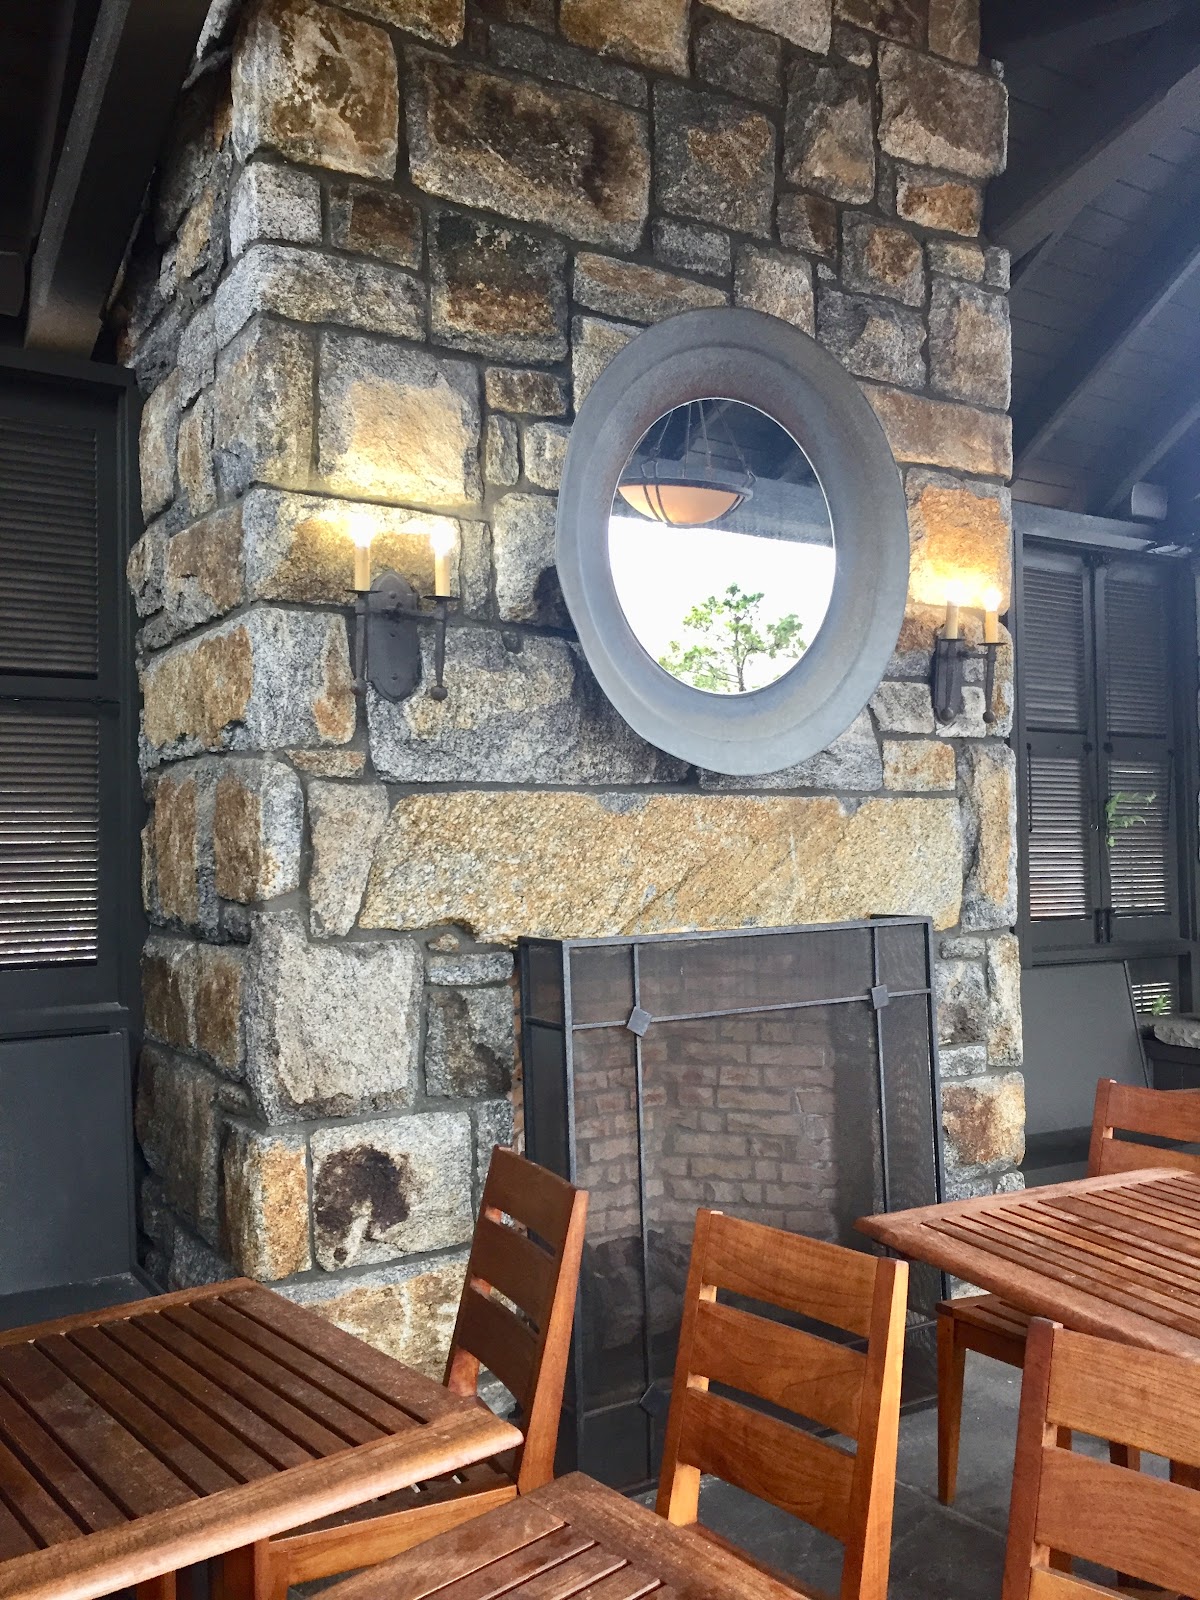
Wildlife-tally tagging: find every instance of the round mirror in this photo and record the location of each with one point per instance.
(732, 541)
(721, 546)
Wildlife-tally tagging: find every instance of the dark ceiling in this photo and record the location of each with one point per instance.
(1100, 207)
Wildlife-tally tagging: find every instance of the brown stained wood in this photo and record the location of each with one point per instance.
(1046, 1584)
(203, 1528)
(1077, 1272)
(276, 1447)
(120, 1313)
(493, 1334)
(1134, 1394)
(178, 1453)
(1154, 1113)
(350, 1427)
(768, 1458)
(696, 1568)
(310, 1369)
(846, 1496)
(231, 1379)
(1119, 1519)
(813, 1377)
(130, 1475)
(55, 1471)
(513, 1264)
(15, 1539)
(1158, 1242)
(456, 1554)
(569, 1577)
(39, 1511)
(401, 1386)
(805, 1275)
(224, 1446)
(529, 1357)
(628, 1583)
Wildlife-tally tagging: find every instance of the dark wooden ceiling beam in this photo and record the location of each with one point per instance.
(1174, 418)
(139, 56)
(1156, 93)
(1035, 36)
(1171, 260)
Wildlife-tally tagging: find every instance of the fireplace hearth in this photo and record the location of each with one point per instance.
(784, 1075)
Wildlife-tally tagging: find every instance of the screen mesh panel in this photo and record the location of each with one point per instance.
(49, 838)
(48, 549)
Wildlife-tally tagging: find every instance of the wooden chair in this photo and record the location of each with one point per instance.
(856, 1393)
(1066, 1505)
(537, 1271)
(991, 1326)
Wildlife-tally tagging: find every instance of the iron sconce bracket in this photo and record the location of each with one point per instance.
(949, 662)
(388, 639)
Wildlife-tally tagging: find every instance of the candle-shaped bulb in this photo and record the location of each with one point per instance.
(991, 615)
(954, 598)
(442, 540)
(362, 531)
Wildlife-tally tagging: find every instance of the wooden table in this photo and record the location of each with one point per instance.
(139, 1440)
(1117, 1256)
(572, 1538)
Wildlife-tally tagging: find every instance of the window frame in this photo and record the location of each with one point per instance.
(1180, 940)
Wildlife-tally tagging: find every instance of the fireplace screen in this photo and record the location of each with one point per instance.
(787, 1076)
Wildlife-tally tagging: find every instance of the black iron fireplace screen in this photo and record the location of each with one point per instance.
(787, 1075)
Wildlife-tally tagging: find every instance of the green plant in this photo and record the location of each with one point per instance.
(1125, 809)
(727, 633)
(1160, 1006)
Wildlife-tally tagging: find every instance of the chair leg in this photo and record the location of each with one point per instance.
(1125, 1455)
(951, 1375)
(161, 1588)
(251, 1573)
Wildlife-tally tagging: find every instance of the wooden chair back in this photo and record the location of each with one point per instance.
(526, 1251)
(1065, 1504)
(854, 1392)
(1153, 1113)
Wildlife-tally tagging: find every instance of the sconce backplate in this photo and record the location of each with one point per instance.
(393, 642)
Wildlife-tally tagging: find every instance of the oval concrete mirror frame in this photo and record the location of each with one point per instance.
(740, 355)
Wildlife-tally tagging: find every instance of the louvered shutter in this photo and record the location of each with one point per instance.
(1101, 811)
(60, 751)
(1062, 861)
(1136, 759)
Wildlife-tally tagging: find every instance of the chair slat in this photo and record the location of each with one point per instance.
(823, 1281)
(1124, 1155)
(1134, 1398)
(788, 1367)
(512, 1263)
(1120, 1519)
(532, 1196)
(768, 1458)
(1157, 1113)
(1047, 1584)
(492, 1333)
(519, 1567)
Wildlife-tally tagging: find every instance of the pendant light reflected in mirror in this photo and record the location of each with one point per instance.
(689, 487)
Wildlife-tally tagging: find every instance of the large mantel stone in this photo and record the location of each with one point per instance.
(560, 864)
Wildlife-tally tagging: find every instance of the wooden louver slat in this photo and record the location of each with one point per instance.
(1139, 837)
(1137, 688)
(1054, 659)
(49, 838)
(49, 576)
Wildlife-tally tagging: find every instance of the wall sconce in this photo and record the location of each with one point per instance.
(387, 649)
(951, 651)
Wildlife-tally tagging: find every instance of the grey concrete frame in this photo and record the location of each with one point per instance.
(740, 355)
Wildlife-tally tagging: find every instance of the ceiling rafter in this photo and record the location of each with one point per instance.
(1022, 36)
(1159, 91)
(1172, 419)
(1172, 258)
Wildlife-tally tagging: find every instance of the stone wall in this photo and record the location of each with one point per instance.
(392, 244)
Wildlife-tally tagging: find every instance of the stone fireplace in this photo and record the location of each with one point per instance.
(391, 245)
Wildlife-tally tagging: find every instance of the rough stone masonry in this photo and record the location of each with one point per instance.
(392, 244)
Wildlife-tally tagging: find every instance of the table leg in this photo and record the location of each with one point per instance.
(251, 1573)
(161, 1588)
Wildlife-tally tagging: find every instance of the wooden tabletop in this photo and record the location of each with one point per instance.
(138, 1440)
(1117, 1256)
(572, 1538)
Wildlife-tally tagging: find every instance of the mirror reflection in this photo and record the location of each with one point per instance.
(721, 546)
